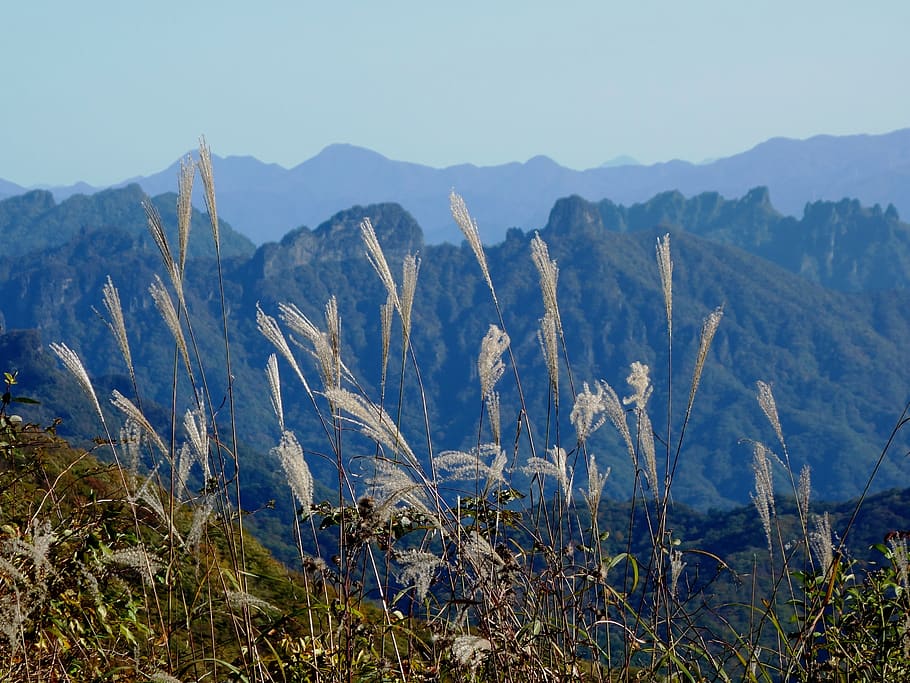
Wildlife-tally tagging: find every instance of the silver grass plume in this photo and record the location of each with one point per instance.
(763, 497)
(417, 570)
(208, 183)
(556, 467)
(410, 269)
(184, 207)
(490, 367)
(665, 266)
(129, 409)
(239, 600)
(274, 379)
(333, 337)
(480, 554)
(469, 652)
(130, 442)
(617, 415)
(196, 426)
(139, 559)
(72, 363)
(473, 464)
(166, 308)
(468, 227)
(640, 381)
(549, 274)
(493, 413)
(324, 350)
(549, 347)
(676, 568)
(270, 330)
(596, 482)
(708, 328)
(390, 485)
(111, 298)
(290, 455)
(820, 542)
(378, 261)
(385, 315)
(588, 412)
(373, 421)
(201, 514)
(803, 491)
(769, 408)
(156, 228)
(185, 459)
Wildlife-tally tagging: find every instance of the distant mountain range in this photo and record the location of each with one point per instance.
(265, 201)
(807, 306)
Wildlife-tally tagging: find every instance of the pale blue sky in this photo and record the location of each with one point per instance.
(100, 91)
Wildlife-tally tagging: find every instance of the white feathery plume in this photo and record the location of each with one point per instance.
(470, 651)
(549, 274)
(290, 455)
(556, 467)
(378, 261)
(547, 336)
(208, 182)
(270, 330)
(617, 415)
(490, 367)
(588, 412)
(385, 315)
(274, 379)
(166, 308)
(410, 269)
(646, 440)
(184, 207)
(769, 408)
(803, 491)
(373, 421)
(201, 514)
(196, 426)
(128, 408)
(468, 227)
(333, 338)
(130, 442)
(156, 228)
(596, 482)
(764, 488)
(323, 350)
(417, 570)
(111, 298)
(185, 460)
(471, 465)
(665, 266)
(820, 542)
(640, 381)
(480, 554)
(707, 336)
(139, 559)
(72, 363)
(391, 484)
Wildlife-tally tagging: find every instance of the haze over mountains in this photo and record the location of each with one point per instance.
(265, 201)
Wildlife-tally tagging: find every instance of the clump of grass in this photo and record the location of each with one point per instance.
(429, 563)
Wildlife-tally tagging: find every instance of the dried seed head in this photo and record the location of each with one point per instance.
(184, 207)
(764, 488)
(274, 380)
(769, 408)
(707, 336)
(378, 261)
(490, 367)
(290, 455)
(72, 363)
(111, 298)
(410, 269)
(208, 182)
(469, 228)
(665, 266)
